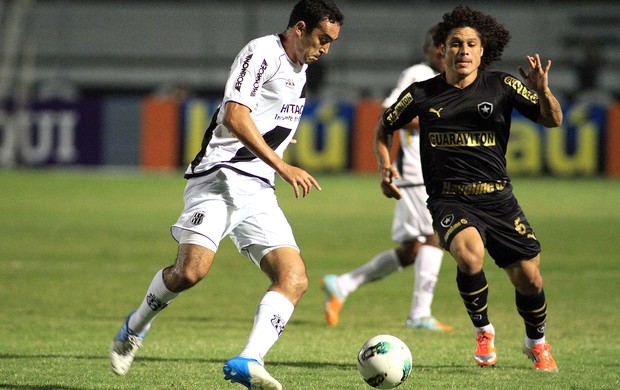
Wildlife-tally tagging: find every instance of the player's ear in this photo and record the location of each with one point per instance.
(300, 27)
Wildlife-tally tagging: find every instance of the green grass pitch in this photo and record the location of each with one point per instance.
(79, 248)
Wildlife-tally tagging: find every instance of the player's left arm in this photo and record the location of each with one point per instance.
(537, 79)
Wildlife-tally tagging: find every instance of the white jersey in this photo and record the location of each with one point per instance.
(408, 161)
(264, 79)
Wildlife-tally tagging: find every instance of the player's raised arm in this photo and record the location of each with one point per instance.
(537, 79)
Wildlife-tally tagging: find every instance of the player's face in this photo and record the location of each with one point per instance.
(436, 58)
(315, 43)
(463, 52)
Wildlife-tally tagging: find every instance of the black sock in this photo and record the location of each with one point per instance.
(533, 309)
(474, 290)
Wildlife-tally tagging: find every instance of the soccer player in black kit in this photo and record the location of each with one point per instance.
(465, 116)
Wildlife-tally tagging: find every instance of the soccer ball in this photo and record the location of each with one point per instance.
(384, 362)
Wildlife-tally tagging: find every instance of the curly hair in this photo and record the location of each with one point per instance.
(493, 35)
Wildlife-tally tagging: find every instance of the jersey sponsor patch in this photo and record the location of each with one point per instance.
(244, 70)
(398, 109)
(518, 86)
(461, 138)
(259, 76)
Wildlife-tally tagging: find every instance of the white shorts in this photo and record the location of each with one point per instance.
(226, 203)
(412, 220)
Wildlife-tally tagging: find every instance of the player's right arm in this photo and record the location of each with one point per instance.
(382, 146)
(237, 119)
(397, 116)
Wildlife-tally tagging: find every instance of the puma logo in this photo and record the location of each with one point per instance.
(474, 302)
(438, 112)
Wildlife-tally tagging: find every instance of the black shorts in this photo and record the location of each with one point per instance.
(505, 231)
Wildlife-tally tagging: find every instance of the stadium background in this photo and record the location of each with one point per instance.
(134, 83)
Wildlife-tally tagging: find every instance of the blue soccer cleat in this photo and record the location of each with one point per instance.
(124, 347)
(249, 373)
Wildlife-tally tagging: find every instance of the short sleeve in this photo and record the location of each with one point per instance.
(402, 111)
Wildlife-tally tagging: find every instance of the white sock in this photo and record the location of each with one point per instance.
(378, 267)
(487, 328)
(531, 343)
(426, 266)
(157, 298)
(272, 314)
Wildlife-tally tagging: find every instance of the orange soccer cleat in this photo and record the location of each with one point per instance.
(334, 299)
(541, 357)
(485, 349)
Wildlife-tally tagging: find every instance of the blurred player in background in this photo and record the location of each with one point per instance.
(465, 117)
(412, 226)
(230, 190)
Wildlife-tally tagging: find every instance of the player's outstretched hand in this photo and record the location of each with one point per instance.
(537, 78)
(297, 178)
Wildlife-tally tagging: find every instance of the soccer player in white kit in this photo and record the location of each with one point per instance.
(230, 190)
(412, 226)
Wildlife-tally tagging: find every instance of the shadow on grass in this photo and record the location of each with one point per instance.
(171, 359)
(37, 387)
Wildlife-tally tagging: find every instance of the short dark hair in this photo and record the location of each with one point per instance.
(493, 35)
(312, 12)
(430, 38)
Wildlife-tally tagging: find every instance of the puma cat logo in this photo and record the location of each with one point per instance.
(438, 112)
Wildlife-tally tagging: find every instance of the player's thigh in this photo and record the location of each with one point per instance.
(195, 255)
(263, 229)
(467, 248)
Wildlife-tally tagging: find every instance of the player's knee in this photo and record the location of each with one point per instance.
(178, 280)
(468, 251)
(407, 253)
(530, 284)
(299, 283)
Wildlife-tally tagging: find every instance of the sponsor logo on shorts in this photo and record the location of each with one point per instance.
(197, 218)
(477, 188)
(154, 303)
(457, 225)
(278, 324)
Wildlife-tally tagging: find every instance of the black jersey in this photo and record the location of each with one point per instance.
(463, 132)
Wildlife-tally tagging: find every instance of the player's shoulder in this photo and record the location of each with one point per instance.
(498, 76)
(433, 82)
(418, 72)
(267, 42)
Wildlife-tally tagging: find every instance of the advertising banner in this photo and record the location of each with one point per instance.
(51, 133)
